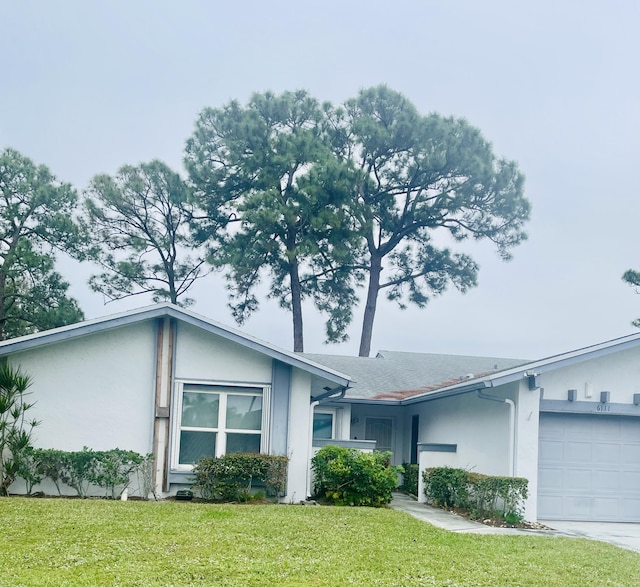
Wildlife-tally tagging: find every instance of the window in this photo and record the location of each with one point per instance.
(215, 420)
(323, 425)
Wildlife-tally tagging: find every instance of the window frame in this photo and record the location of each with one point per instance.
(334, 417)
(223, 389)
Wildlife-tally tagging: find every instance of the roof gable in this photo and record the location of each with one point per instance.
(163, 310)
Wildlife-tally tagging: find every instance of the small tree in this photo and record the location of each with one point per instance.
(15, 430)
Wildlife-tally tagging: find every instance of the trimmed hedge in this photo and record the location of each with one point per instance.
(112, 470)
(232, 477)
(410, 478)
(476, 493)
(347, 476)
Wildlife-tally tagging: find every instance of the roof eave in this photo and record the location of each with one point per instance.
(163, 310)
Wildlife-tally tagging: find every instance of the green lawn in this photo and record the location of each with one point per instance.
(99, 542)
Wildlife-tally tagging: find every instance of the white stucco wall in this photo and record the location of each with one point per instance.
(298, 449)
(95, 391)
(526, 450)
(618, 373)
(206, 357)
(479, 428)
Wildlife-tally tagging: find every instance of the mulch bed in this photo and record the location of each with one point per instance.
(497, 521)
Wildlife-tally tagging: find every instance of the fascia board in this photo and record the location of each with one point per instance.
(77, 330)
(378, 402)
(565, 360)
(93, 326)
(447, 392)
(265, 348)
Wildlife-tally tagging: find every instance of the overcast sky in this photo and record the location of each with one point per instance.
(89, 86)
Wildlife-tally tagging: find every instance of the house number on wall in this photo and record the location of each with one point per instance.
(603, 408)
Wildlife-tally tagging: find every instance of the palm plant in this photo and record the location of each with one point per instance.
(15, 429)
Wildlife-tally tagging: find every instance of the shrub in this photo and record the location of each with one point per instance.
(501, 495)
(444, 486)
(232, 477)
(29, 468)
(113, 469)
(144, 474)
(476, 493)
(78, 470)
(410, 478)
(50, 463)
(350, 477)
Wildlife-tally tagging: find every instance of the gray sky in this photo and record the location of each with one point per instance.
(89, 86)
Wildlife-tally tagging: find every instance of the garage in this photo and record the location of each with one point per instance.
(589, 467)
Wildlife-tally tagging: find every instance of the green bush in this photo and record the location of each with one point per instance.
(350, 477)
(445, 486)
(111, 470)
(232, 477)
(410, 478)
(501, 495)
(78, 470)
(476, 493)
(28, 468)
(50, 463)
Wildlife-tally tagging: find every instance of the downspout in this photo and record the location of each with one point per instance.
(512, 425)
(331, 395)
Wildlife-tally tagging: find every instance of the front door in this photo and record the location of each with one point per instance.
(380, 430)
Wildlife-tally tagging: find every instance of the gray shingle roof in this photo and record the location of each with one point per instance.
(395, 375)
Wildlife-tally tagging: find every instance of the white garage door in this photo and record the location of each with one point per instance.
(589, 468)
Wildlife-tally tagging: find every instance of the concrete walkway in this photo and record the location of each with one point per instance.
(453, 522)
(623, 535)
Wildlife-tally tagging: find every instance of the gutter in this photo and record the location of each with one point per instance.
(512, 425)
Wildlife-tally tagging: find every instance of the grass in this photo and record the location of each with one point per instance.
(100, 542)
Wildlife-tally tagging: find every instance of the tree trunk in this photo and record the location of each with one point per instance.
(370, 308)
(296, 307)
(3, 285)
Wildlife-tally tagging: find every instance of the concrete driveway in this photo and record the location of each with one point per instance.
(625, 535)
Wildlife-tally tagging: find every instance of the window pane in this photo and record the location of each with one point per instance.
(322, 425)
(244, 412)
(200, 409)
(243, 443)
(194, 445)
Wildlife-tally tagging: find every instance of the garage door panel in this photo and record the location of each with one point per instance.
(551, 451)
(552, 505)
(589, 467)
(630, 454)
(575, 479)
(606, 453)
(630, 509)
(576, 506)
(605, 481)
(576, 452)
(604, 508)
(550, 478)
(629, 481)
